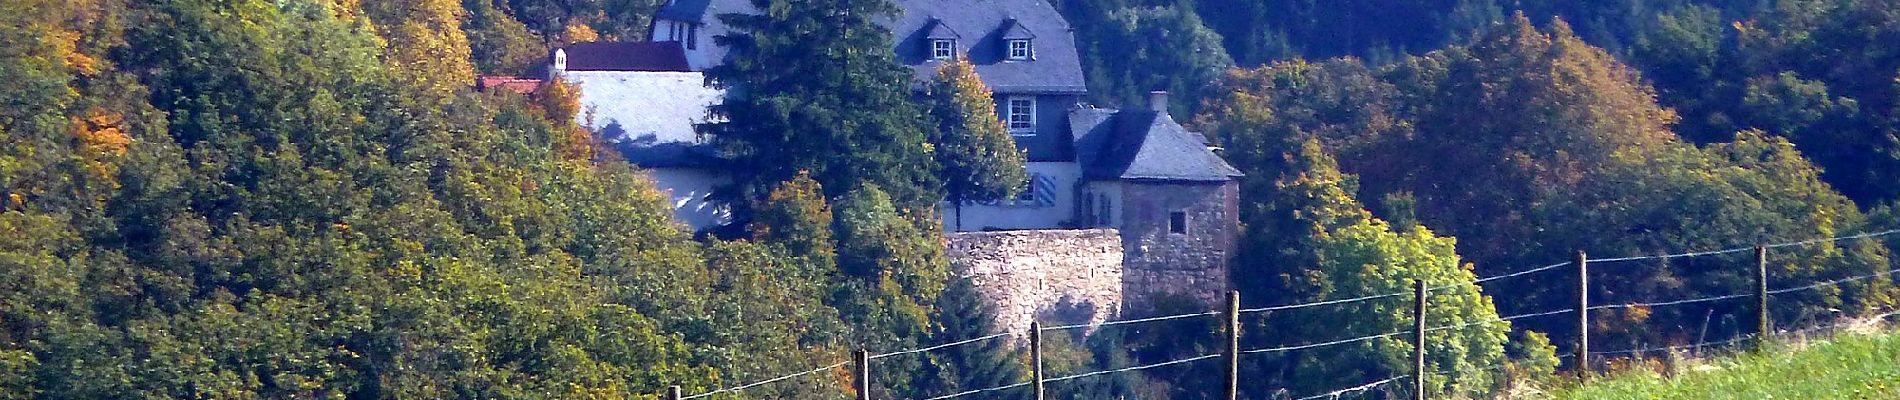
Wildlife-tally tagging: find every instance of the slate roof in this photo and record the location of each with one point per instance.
(652, 117)
(935, 29)
(982, 26)
(626, 56)
(1016, 30)
(702, 10)
(1142, 145)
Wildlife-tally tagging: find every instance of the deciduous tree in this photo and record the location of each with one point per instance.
(977, 156)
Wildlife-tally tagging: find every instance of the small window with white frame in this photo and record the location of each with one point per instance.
(1028, 195)
(1021, 115)
(943, 49)
(1020, 50)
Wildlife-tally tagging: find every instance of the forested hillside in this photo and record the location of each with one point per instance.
(306, 198)
(1819, 73)
(1527, 131)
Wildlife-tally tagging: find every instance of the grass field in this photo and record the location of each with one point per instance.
(1849, 366)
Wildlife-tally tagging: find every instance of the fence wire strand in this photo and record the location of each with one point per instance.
(1131, 321)
(1399, 294)
(1322, 303)
(735, 389)
(1134, 368)
(1803, 331)
(1369, 386)
(1835, 282)
(1521, 273)
(1835, 239)
(1497, 320)
(971, 392)
(1742, 249)
(1668, 303)
(945, 345)
(1323, 344)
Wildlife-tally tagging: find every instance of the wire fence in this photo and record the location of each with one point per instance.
(1355, 389)
(1581, 356)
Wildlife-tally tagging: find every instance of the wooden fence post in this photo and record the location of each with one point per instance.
(1583, 316)
(673, 392)
(1233, 345)
(1418, 339)
(861, 369)
(1762, 320)
(1035, 360)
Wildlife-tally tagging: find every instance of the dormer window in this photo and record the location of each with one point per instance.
(943, 49)
(1019, 50)
(1017, 41)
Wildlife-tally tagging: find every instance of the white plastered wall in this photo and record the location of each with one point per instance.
(1053, 207)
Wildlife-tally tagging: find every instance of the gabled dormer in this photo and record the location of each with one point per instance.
(941, 40)
(1019, 43)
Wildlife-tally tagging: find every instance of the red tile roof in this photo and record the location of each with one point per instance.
(626, 56)
(508, 83)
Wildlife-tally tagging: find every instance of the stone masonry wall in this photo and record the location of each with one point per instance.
(1055, 276)
(1193, 264)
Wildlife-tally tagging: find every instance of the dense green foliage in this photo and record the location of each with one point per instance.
(291, 199)
(1816, 72)
(1572, 152)
(1129, 52)
(828, 126)
(963, 314)
(1308, 240)
(249, 199)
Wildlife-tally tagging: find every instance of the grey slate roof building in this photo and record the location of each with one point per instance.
(625, 56)
(1108, 144)
(979, 31)
(1143, 145)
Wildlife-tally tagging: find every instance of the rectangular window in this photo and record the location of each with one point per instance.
(943, 49)
(1022, 115)
(1087, 209)
(1019, 49)
(1177, 222)
(692, 37)
(1107, 211)
(1028, 195)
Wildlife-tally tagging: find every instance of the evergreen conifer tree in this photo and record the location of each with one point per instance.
(962, 314)
(817, 89)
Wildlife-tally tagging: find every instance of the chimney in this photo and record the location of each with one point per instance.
(1158, 101)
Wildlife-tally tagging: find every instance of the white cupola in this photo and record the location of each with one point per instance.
(559, 66)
